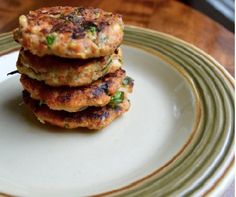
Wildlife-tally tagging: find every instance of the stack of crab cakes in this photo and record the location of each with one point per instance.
(71, 66)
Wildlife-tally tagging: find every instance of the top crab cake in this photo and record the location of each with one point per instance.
(71, 32)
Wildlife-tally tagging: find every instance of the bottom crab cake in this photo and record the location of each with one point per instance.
(73, 99)
(57, 71)
(92, 118)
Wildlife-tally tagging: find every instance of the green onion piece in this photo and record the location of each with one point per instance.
(127, 80)
(106, 68)
(92, 29)
(50, 39)
(117, 98)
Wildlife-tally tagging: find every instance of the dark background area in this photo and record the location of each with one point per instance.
(206, 8)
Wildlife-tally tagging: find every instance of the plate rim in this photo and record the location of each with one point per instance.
(228, 172)
(229, 168)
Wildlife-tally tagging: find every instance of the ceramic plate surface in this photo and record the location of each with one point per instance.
(177, 139)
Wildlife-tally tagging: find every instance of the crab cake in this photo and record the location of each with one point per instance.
(57, 71)
(92, 117)
(71, 32)
(98, 93)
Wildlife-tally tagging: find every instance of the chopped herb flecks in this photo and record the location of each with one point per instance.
(117, 98)
(106, 68)
(92, 29)
(89, 26)
(50, 40)
(127, 80)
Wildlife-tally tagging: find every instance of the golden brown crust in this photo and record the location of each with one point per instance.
(74, 99)
(72, 32)
(57, 71)
(92, 118)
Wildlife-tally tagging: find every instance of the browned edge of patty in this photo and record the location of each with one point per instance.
(73, 99)
(51, 63)
(56, 71)
(93, 118)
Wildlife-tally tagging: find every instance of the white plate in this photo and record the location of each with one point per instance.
(41, 160)
(176, 140)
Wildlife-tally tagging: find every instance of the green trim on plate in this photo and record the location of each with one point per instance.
(7, 43)
(202, 162)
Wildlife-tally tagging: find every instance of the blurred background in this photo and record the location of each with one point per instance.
(221, 11)
(134, 11)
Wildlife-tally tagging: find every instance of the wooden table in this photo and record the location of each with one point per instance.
(167, 16)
